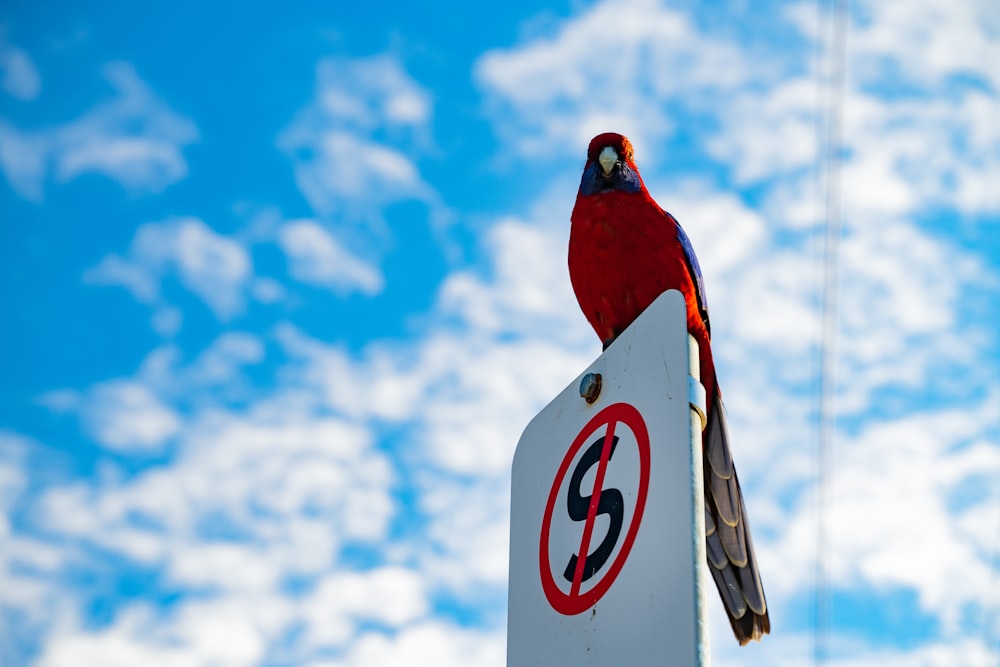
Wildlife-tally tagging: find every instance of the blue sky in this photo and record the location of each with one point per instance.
(284, 287)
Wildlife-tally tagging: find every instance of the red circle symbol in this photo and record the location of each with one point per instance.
(576, 600)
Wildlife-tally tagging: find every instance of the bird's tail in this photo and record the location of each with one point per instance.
(731, 557)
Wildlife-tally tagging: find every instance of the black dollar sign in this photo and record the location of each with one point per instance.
(610, 502)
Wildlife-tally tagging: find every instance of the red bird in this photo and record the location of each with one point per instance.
(624, 251)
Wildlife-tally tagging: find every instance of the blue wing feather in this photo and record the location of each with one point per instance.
(695, 269)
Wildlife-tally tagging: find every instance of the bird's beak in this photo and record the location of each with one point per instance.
(608, 159)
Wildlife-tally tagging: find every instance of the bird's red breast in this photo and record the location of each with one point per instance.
(625, 251)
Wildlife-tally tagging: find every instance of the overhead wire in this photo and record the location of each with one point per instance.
(829, 139)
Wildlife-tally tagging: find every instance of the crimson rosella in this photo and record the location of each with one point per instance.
(624, 251)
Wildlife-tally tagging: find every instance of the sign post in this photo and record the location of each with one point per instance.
(607, 545)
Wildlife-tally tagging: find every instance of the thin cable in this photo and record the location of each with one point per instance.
(822, 139)
(828, 353)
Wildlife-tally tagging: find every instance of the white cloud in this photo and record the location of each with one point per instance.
(390, 596)
(126, 416)
(214, 267)
(23, 160)
(140, 279)
(28, 565)
(13, 481)
(218, 635)
(371, 93)
(221, 362)
(616, 67)
(134, 139)
(913, 152)
(901, 477)
(927, 42)
(468, 536)
(167, 321)
(431, 644)
(250, 500)
(769, 131)
(524, 290)
(215, 566)
(121, 414)
(19, 77)
(253, 476)
(317, 257)
(351, 147)
(930, 142)
(465, 385)
(848, 651)
(267, 290)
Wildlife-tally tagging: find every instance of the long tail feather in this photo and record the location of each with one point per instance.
(731, 557)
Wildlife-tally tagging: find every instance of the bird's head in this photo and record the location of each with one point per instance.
(610, 166)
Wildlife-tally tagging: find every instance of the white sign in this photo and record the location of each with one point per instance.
(606, 557)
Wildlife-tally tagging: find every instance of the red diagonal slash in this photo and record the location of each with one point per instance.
(588, 528)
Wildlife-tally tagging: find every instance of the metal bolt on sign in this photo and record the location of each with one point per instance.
(590, 387)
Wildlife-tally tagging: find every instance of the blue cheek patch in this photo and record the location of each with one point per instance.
(622, 179)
